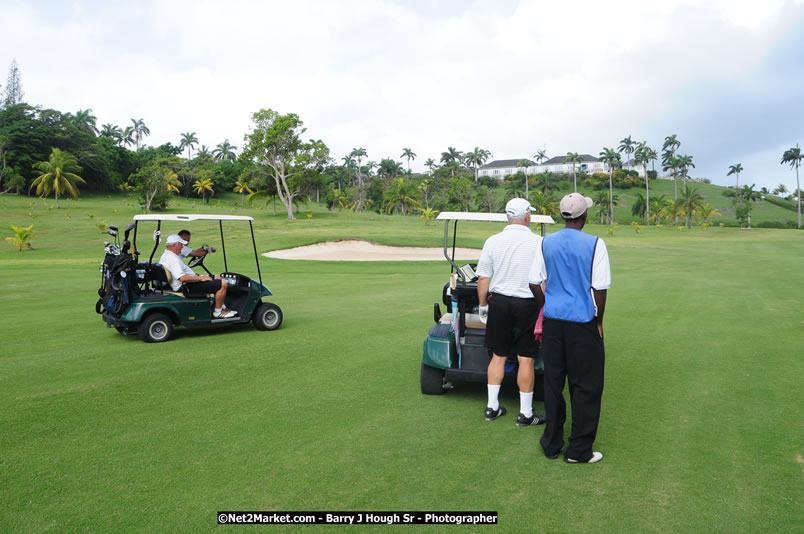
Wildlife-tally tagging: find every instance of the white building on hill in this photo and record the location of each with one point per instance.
(503, 167)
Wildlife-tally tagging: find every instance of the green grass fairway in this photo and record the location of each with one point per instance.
(701, 428)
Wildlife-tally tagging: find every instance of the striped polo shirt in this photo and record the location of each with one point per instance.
(507, 258)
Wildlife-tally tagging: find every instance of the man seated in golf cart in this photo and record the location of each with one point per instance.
(186, 251)
(194, 285)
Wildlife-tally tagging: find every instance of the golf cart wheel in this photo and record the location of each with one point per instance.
(432, 380)
(156, 328)
(267, 316)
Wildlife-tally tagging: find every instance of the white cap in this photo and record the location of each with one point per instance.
(174, 238)
(517, 207)
(574, 205)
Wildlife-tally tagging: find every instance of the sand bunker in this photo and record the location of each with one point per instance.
(356, 250)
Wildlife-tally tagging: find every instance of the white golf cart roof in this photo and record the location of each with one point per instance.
(488, 217)
(193, 217)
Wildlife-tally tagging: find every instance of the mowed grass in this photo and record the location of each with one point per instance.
(701, 428)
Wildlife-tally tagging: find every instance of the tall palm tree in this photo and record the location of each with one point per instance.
(204, 152)
(430, 163)
(611, 158)
(410, 154)
(451, 156)
(684, 163)
(189, 140)
(225, 151)
(643, 155)
(627, 146)
(139, 130)
(111, 131)
(691, 202)
(540, 156)
(670, 162)
(735, 169)
(127, 136)
(476, 158)
(793, 157)
(204, 186)
(524, 164)
(671, 143)
(573, 157)
(358, 154)
(780, 190)
(58, 175)
(85, 121)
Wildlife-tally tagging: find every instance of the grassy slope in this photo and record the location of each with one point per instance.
(700, 427)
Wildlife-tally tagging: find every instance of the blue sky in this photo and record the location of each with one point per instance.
(509, 76)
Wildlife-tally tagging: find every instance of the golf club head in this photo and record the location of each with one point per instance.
(112, 233)
(157, 236)
(113, 227)
(128, 230)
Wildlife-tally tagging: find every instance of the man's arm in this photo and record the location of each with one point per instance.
(483, 290)
(193, 278)
(536, 289)
(600, 302)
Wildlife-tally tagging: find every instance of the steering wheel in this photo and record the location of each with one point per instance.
(198, 261)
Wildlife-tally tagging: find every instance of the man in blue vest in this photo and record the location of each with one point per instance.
(575, 266)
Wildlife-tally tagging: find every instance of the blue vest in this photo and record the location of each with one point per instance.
(568, 257)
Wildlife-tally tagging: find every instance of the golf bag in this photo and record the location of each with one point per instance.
(118, 284)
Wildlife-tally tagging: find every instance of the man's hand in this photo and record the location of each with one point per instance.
(600, 329)
(483, 311)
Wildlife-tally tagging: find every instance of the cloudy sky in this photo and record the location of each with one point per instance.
(726, 76)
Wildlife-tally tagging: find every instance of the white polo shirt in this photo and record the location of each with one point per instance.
(176, 267)
(185, 251)
(507, 258)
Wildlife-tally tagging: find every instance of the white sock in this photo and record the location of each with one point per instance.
(217, 311)
(526, 403)
(494, 392)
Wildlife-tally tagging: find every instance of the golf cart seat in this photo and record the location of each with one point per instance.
(472, 320)
(160, 280)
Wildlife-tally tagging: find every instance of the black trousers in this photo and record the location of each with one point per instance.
(572, 351)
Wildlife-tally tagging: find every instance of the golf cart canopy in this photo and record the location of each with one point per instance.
(160, 218)
(193, 217)
(488, 217)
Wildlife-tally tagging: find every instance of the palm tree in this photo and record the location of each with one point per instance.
(603, 203)
(225, 151)
(643, 155)
(524, 164)
(204, 152)
(85, 121)
(189, 140)
(127, 136)
(451, 156)
(573, 157)
(476, 158)
(659, 206)
(400, 194)
(139, 130)
(735, 169)
(684, 163)
(793, 157)
(540, 156)
(241, 187)
(389, 169)
(111, 131)
(358, 154)
(58, 175)
(691, 202)
(627, 146)
(430, 163)
(781, 190)
(410, 154)
(202, 186)
(428, 214)
(611, 158)
(22, 236)
(640, 207)
(671, 143)
(544, 203)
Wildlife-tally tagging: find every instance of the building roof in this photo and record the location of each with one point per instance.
(587, 158)
(498, 163)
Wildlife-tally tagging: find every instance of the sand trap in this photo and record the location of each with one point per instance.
(356, 250)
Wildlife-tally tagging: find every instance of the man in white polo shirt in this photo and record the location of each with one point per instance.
(576, 268)
(510, 308)
(194, 285)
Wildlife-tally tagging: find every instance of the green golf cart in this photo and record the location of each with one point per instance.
(136, 297)
(454, 348)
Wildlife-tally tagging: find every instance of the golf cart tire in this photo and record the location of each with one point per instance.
(267, 316)
(432, 380)
(155, 328)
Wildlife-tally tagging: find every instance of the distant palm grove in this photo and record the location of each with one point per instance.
(52, 153)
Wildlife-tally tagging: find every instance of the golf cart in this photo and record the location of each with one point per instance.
(137, 297)
(454, 349)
